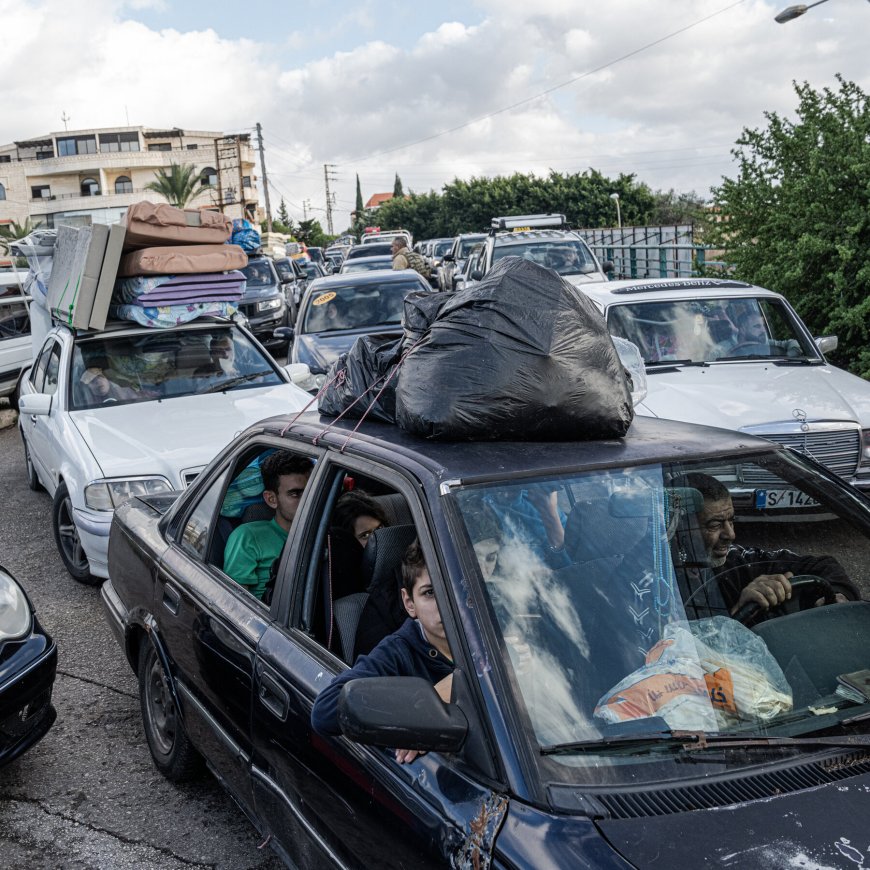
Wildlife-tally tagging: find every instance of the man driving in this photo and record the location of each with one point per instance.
(751, 574)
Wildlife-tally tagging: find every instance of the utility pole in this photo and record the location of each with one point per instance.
(265, 180)
(64, 117)
(306, 204)
(327, 177)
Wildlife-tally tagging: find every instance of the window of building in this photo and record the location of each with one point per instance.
(246, 181)
(5, 158)
(40, 191)
(160, 146)
(90, 187)
(44, 155)
(70, 145)
(208, 177)
(2, 192)
(119, 142)
(192, 147)
(123, 184)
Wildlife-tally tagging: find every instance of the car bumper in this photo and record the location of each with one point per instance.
(94, 531)
(26, 711)
(116, 614)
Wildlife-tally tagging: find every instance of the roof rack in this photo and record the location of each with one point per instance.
(518, 223)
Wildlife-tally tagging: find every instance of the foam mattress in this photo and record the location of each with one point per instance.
(150, 223)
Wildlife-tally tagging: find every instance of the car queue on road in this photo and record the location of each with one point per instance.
(514, 770)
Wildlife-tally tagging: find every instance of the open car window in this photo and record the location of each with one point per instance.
(634, 621)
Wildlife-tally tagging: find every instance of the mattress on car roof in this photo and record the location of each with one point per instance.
(150, 223)
(182, 259)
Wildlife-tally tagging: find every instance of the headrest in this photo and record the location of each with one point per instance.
(383, 554)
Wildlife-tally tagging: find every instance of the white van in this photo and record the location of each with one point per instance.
(15, 346)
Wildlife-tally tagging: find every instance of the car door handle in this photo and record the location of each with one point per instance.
(274, 698)
(171, 599)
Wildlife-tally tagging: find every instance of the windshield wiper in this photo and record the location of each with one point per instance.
(697, 740)
(234, 382)
(795, 361)
(661, 364)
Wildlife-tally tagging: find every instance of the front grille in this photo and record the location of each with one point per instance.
(26, 718)
(837, 450)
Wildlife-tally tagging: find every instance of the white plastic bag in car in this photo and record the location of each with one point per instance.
(701, 676)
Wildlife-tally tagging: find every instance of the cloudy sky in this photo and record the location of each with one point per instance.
(433, 91)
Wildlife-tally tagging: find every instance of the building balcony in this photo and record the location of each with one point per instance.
(63, 202)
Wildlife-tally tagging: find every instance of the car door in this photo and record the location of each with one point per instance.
(15, 342)
(328, 801)
(40, 431)
(210, 628)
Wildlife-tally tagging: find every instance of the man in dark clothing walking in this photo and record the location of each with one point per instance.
(418, 648)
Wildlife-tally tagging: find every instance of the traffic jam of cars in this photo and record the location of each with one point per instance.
(513, 563)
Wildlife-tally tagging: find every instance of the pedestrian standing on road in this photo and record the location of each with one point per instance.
(404, 258)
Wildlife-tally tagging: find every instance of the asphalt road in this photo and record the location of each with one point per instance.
(87, 795)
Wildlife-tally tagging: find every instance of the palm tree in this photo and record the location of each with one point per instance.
(14, 231)
(179, 185)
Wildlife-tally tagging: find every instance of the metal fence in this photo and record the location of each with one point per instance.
(652, 252)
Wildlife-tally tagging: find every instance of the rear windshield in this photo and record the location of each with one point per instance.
(565, 257)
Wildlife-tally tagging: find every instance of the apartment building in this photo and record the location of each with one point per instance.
(92, 176)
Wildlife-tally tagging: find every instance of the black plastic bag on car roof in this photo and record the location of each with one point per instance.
(363, 372)
(521, 356)
(419, 312)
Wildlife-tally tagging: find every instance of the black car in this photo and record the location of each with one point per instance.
(28, 661)
(338, 309)
(264, 303)
(554, 750)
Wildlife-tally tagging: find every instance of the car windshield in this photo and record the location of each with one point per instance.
(372, 249)
(466, 245)
(259, 273)
(284, 270)
(710, 330)
(364, 264)
(358, 306)
(614, 593)
(439, 249)
(125, 369)
(565, 257)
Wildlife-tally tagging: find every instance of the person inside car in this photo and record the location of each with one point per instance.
(359, 515)
(252, 547)
(419, 648)
(222, 358)
(102, 389)
(752, 574)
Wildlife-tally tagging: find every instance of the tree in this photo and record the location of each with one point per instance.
(14, 230)
(283, 214)
(359, 208)
(398, 193)
(311, 233)
(179, 185)
(796, 218)
(671, 208)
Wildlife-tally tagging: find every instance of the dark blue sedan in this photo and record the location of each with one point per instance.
(611, 704)
(338, 309)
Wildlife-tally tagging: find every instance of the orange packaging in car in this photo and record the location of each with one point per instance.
(647, 696)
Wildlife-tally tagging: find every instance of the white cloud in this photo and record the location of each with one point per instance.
(669, 114)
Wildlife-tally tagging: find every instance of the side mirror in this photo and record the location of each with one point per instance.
(400, 713)
(476, 275)
(448, 258)
(827, 343)
(284, 333)
(607, 267)
(37, 404)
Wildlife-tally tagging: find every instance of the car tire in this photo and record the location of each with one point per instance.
(171, 750)
(32, 477)
(66, 536)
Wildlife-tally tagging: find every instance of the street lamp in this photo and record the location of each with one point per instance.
(615, 198)
(793, 12)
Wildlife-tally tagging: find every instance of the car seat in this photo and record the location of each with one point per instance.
(382, 569)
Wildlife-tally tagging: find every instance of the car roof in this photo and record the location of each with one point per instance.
(648, 440)
(506, 237)
(119, 327)
(669, 289)
(372, 276)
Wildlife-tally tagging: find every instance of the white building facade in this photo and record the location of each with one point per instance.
(93, 176)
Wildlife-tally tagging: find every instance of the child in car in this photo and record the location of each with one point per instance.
(419, 648)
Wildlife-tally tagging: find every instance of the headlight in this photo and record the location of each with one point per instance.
(865, 447)
(269, 304)
(319, 380)
(106, 495)
(15, 616)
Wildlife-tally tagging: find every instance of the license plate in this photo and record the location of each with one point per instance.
(769, 499)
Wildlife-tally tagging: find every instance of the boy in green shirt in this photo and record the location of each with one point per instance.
(253, 547)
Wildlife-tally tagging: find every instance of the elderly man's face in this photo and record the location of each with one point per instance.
(717, 529)
(395, 246)
(753, 329)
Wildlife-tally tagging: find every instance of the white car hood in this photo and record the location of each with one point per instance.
(738, 395)
(589, 278)
(180, 433)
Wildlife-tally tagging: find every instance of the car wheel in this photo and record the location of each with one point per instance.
(66, 536)
(32, 478)
(173, 754)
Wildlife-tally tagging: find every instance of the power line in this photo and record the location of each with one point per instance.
(549, 90)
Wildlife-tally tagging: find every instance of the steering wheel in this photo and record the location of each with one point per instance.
(763, 345)
(109, 400)
(805, 588)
